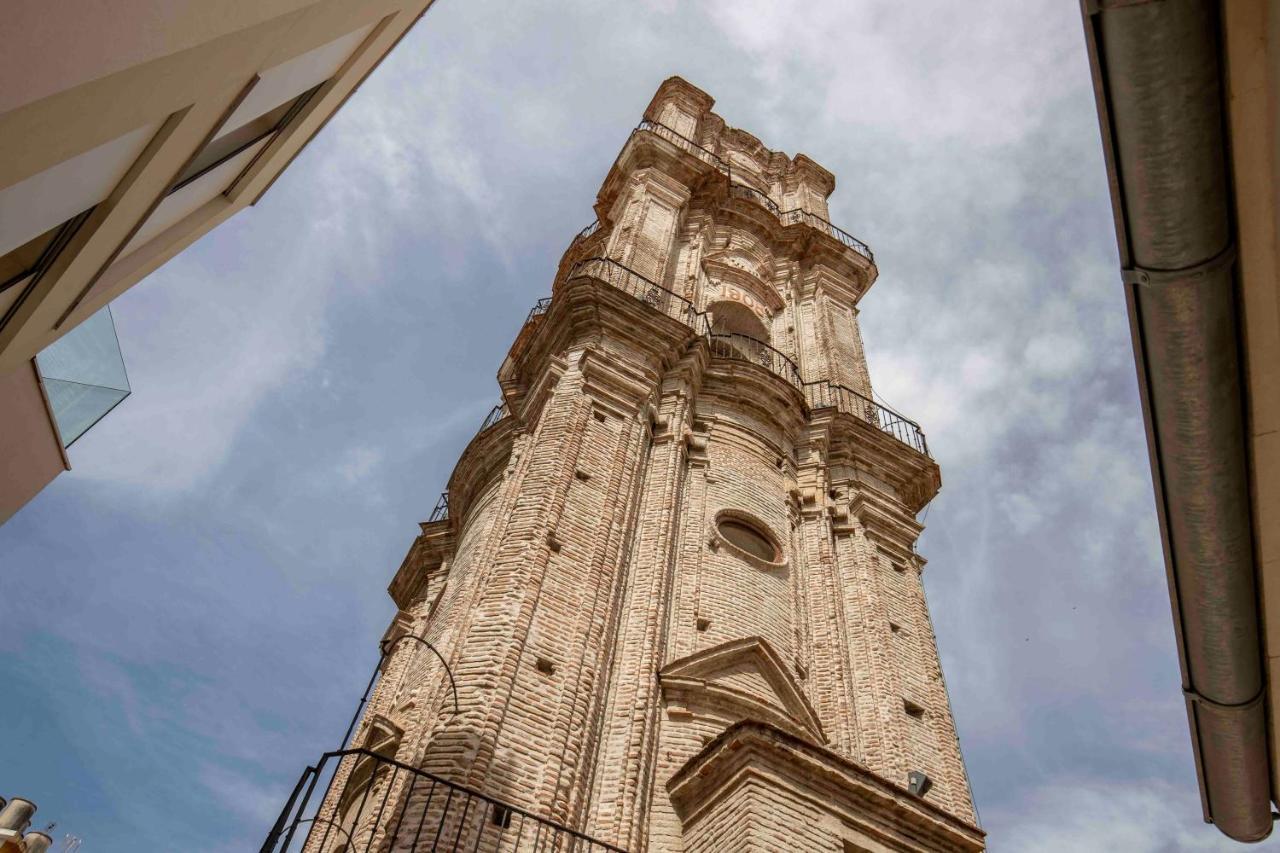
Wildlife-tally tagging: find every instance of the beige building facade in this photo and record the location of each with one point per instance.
(127, 131)
(671, 601)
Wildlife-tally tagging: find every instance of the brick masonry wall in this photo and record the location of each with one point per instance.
(587, 604)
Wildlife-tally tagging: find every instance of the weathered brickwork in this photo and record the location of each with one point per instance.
(677, 588)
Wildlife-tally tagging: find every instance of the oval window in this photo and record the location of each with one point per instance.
(748, 539)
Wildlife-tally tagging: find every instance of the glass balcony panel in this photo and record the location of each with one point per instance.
(84, 375)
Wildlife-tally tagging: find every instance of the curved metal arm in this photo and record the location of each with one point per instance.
(452, 686)
(386, 648)
(331, 823)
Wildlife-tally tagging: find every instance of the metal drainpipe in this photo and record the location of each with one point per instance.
(1157, 74)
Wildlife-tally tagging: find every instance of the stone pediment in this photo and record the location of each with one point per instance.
(744, 678)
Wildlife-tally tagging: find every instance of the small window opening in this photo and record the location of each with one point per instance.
(749, 539)
(895, 628)
(600, 416)
(545, 666)
(582, 475)
(500, 816)
(913, 710)
(703, 623)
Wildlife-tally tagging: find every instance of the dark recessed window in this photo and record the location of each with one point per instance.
(748, 539)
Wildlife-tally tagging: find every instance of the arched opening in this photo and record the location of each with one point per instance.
(733, 318)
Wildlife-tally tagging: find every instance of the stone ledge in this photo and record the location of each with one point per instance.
(811, 778)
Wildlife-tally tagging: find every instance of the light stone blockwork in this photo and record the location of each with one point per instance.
(625, 663)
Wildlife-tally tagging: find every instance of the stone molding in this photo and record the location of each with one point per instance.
(810, 774)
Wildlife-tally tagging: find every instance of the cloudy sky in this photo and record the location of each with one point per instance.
(192, 612)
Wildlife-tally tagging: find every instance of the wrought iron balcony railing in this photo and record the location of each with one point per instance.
(797, 215)
(746, 348)
(818, 394)
(539, 308)
(786, 217)
(823, 394)
(496, 414)
(373, 803)
(441, 511)
(753, 194)
(813, 220)
(633, 284)
(684, 143)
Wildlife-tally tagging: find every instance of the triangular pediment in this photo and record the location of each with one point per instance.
(745, 677)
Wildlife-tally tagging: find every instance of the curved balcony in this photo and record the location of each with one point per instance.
(817, 394)
(638, 287)
(683, 142)
(823, 394)
(736, 190)
(746, 348)
(803, 217)
(496, 414)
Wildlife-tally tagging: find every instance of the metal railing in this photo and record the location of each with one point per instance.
(747, 348)
(539, 308)
(818, 394)
(813, 220)
(786, 217)
(753, 194)
(683, 142)
(824, 394)
(635, 285)
(441, 511)
(374, 803)
(496, 414)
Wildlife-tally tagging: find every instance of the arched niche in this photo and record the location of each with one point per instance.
(734, 318)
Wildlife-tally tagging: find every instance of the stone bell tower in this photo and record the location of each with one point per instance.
(674, 580)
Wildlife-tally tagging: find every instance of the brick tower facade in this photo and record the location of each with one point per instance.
(675, 581)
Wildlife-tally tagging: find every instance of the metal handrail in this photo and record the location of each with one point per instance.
(753, 194)
(638, 286)
(443, 816)
(796, 214)
(818, 394)
(787, 217)
(496, 414)
(813, 220)
(825, 394)
(682, 142)
(441, 510)
(749, 349)
(539, 308)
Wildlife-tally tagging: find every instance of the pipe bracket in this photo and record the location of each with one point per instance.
(1200, 699)
(1142, 275)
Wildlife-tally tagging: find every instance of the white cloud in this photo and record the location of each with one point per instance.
(358, 463)
(1142, 816)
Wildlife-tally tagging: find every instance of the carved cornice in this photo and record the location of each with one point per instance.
(720, 268)
(688, 96)
(435, 544)
(838, 787)
(861, 446)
